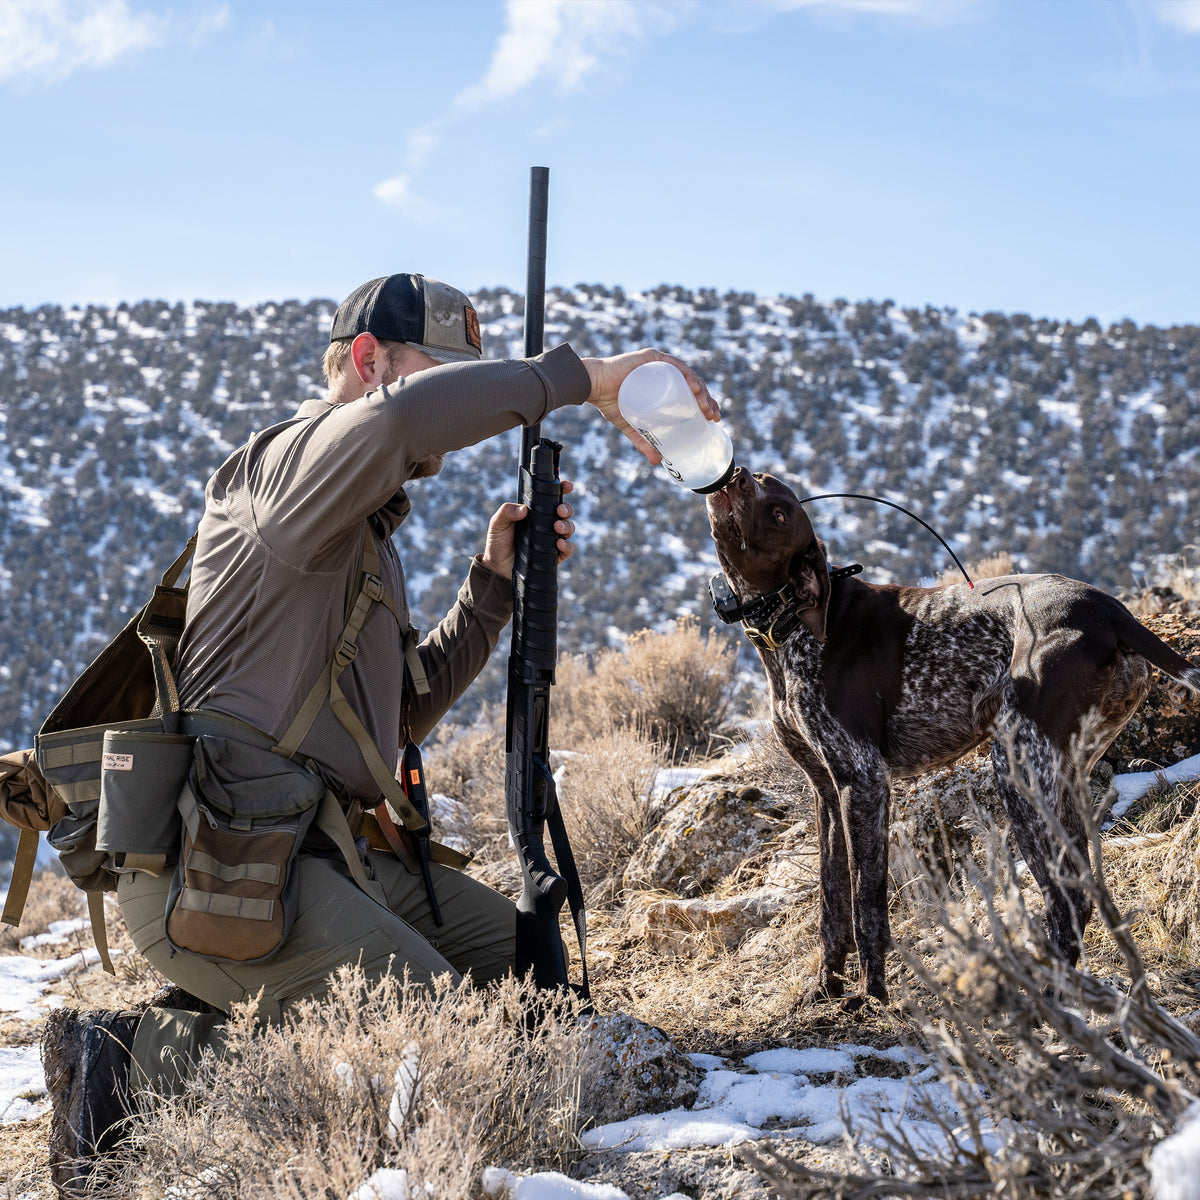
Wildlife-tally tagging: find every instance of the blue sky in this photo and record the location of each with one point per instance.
(1037, 156)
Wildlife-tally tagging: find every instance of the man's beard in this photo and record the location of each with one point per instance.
(428, 467)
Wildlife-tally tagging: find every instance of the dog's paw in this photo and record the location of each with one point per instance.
(828, 989)
(861, 1000)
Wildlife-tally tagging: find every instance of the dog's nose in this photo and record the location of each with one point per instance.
(742, 480)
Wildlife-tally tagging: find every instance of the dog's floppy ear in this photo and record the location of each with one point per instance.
(809, 573)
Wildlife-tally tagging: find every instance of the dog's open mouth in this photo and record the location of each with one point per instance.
(723, 517)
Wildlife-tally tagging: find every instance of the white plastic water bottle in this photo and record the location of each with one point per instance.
(656, 400)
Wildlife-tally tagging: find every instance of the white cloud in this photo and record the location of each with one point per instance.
(929, 11)
(392, 192)
(48, 39)
(397, 193)
(564, 41)
(421, 143)
(208, 23)
(559, 42)
(44, 41)
(1182, 14)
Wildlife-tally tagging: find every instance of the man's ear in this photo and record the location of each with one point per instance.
(365, 354)
(809, 575)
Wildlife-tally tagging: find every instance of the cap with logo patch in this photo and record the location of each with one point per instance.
(430, 315)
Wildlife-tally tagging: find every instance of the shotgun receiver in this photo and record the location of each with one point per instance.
(530, 796)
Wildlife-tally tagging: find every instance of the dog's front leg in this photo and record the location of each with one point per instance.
(837, 911)
(837, 914)
(865, 797)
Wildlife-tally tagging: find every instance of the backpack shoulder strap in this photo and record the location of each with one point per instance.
(160, 627)
(326, 688)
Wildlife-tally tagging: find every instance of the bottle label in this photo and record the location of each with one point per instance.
(666, 464)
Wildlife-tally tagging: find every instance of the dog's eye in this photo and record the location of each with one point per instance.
(779, 517)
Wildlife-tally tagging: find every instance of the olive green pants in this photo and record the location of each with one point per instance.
(337, 924)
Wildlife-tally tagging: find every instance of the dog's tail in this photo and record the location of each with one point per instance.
(1133, 635)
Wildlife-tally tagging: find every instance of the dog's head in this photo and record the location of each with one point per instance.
(765, 540)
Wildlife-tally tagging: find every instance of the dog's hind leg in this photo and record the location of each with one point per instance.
(1031, 772)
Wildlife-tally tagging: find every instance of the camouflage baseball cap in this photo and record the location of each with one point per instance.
(430, 315)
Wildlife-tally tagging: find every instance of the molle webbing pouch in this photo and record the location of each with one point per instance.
(128, 690)
(71, 761)
(245, 810)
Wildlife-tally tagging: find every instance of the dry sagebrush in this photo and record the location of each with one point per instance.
(307, 1108)
(602, 787)
(52, 897)
(1064, 1077)
(466, 763)
(676, 688)
(603, 790)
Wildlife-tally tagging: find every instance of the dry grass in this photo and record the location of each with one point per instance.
(1177, 587)
(310, 1108)
(467, 764)
(603, 783)
(1155, 877)
(767, 765)
(52, 897)
(1074, 1072)
(991, 567)
(24, 1160)
(727, 1000)
(603, 790)
(675, 688)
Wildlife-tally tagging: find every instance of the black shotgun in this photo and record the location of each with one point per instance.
(531, 800)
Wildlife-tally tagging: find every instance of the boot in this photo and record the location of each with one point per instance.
(87, 1059)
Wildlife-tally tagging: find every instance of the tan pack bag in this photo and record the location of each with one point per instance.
(128, 689)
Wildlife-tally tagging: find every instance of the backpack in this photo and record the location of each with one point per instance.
(127, 691)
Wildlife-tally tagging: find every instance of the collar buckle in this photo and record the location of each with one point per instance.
(763, 639)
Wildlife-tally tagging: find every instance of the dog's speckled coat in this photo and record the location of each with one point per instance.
(884, 681)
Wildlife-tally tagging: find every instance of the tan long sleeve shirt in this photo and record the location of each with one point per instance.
(277, 558)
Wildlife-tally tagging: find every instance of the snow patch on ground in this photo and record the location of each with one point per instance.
(1135, 784)
(22, 980)
(22, 1084)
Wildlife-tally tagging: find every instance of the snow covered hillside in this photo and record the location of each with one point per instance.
(1071, 446)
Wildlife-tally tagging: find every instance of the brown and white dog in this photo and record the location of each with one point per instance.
(871, 682)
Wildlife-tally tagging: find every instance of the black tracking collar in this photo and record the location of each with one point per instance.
(770, 619)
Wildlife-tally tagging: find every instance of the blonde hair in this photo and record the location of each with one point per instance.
(336, 354)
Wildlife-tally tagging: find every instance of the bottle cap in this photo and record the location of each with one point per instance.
(726, 476)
